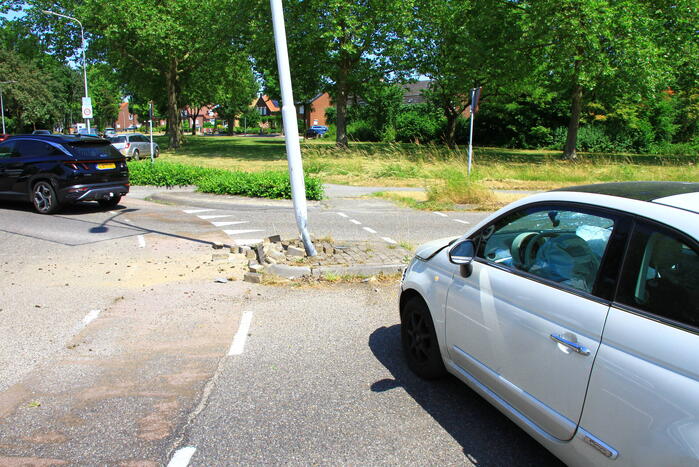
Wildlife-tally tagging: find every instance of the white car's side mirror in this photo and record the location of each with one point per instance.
(462, 253)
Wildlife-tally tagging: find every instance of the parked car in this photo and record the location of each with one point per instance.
(132, 128)
(53, 170)
(576, 313)
(91, 132)
(316, 131)
(134, 146)
(41, 132)
(109, 132)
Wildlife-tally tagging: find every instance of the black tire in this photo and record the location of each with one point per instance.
(136, 155)
(156, 152)
(44, 198)
(419, 340)
(110, 203)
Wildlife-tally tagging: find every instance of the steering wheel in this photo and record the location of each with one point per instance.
(533, 246)
(518, 248)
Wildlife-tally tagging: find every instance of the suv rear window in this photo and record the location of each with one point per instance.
(92, 150)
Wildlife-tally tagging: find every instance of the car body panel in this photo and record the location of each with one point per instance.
(644, 392)
(634, 396)
(504, 321)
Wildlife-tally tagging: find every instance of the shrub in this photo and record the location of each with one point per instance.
(259, 185)
(412, 126)
(360, 130)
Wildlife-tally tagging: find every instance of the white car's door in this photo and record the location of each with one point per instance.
(643, 400)
(528, 320)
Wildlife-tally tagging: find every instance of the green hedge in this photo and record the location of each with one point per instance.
(224, 182)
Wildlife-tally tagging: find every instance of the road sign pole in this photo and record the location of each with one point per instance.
(291, 135)
(150, 110)
(470, 137)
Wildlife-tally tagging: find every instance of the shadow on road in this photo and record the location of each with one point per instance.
(486, 436)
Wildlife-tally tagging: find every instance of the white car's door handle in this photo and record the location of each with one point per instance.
(574, 346)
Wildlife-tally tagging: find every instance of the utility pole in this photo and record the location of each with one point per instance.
(293, 147)
(2, 103)
(82, 39)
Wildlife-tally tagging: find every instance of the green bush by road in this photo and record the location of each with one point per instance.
(268, 184)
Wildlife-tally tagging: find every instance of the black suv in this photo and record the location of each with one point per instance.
(53, 170)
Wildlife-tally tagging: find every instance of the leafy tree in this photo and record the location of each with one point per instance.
(339, 46)
(237, 91)
(465, 44)
(601, 49)
(155, 44)
(106, 94)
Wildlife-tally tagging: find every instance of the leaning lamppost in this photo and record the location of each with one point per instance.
(82, 39)
(2, 104)
(291, 135)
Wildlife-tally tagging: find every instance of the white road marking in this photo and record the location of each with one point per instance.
(182, 457)
(239, 339)
(355, 221)
(389, 240)
(441, 214)
(216, 216)
(247, 241)
(194, 211)
(240, 232)
(370, 230)
(127, 220)
(342, 214)
(460, 221)
(223, 224)
(91, 316)
(141, 241)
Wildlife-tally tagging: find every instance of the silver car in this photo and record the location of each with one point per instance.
(576, 313)
(134, 146)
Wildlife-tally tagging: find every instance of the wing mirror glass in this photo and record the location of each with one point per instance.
(463, 252)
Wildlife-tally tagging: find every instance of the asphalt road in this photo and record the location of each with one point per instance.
(118, 348)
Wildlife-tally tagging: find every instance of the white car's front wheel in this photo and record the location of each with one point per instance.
(419, 340)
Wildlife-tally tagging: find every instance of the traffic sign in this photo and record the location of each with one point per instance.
(87, 107)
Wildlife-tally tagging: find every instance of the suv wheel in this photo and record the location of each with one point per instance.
(44, 198)
(110, 203)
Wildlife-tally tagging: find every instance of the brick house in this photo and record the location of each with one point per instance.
(206, 113)
(125, 118)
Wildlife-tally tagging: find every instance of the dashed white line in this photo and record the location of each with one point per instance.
(141, 241)
(240, 232)
(91, 316)
(194, 211)
(460, 221)
(441, 214)
(238, 344)
(223, 224)
(370, 230)
(355, 221)
(182, 457)
(342, 214)
(215, 216)
(389, 240)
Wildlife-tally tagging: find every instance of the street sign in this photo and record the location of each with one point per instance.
(87, 107)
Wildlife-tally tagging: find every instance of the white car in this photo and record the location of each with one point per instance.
(134, 146)
(576, 313)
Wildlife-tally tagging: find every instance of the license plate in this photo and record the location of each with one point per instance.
(106, 165)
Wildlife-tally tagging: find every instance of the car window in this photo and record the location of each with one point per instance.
(6, 149)
(118, 139)
(93, 150)
(560, 245)
(661, 275)
(31, 148)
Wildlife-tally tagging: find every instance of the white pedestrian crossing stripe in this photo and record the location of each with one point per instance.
(223, 224)
(240, 232)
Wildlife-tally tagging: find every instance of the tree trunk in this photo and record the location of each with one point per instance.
(173, 115)
(194, 123)
(231, 123)
(452, 118)
(574, 124)
(341, 109)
